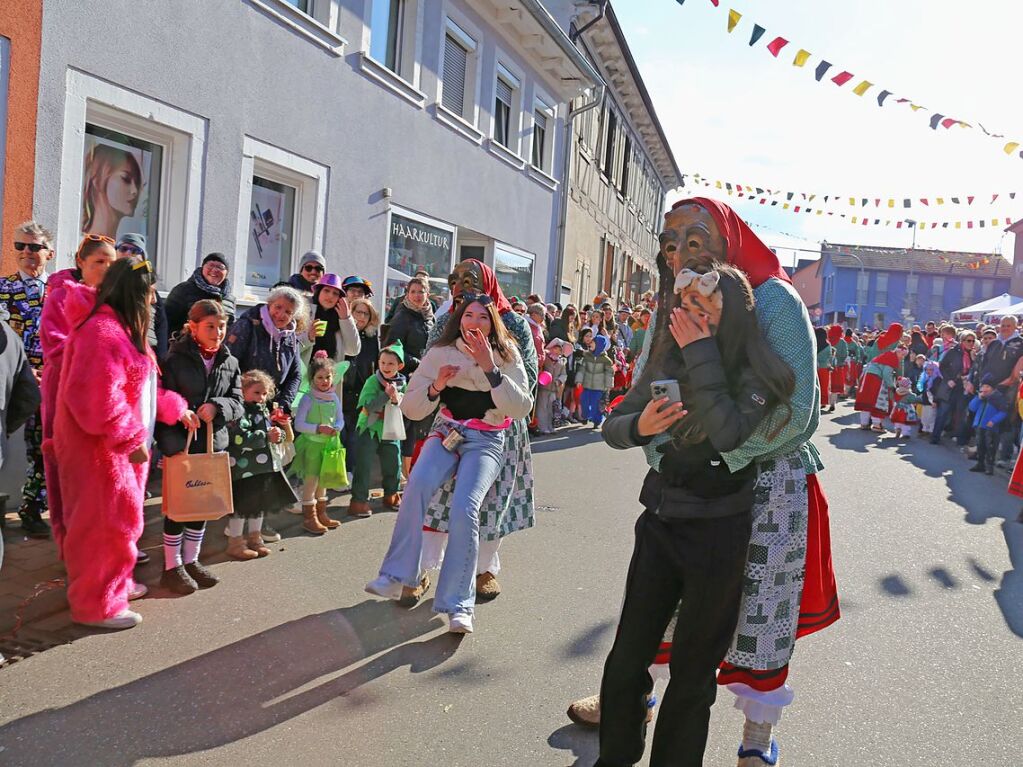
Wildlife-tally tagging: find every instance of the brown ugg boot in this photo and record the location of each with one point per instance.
(310, 523)
(360, 509)
(321, 515)
(236, 549)
(392, 501)
(255, 544)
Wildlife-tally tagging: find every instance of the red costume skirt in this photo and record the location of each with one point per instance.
(819, 606)
(824, 377)
(1016, 481)
(866, 396)
(838, 384)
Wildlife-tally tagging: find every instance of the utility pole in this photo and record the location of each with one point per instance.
(908, 308)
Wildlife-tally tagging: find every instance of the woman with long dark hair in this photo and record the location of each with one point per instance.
(474, 373)
(691, 540)
(108, 404)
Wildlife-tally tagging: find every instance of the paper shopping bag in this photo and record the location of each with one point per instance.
(197, 486)
(394, 423)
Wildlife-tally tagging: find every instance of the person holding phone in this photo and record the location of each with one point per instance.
(692, 536)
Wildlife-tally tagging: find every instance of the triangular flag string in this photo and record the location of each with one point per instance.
(935, 119)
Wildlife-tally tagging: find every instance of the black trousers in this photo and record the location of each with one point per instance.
(987, 447)
(700, 563)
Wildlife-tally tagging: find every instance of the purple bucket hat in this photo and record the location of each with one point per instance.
(329, 280)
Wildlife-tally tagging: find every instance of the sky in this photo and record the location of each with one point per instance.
(736, 113)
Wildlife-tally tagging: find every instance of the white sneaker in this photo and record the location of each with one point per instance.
(384, 587)
(460, 623)
(138, 591)
(126, 619)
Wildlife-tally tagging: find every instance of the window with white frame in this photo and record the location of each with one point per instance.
(543, 136)
(130, 164)
(610, 135)
(458, 82)
(506, 94)
(282, 213)
(392, 30)
(514, 270)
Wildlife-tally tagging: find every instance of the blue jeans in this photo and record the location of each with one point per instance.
(590, 402)
(478, 461)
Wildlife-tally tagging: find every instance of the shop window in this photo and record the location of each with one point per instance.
(414, 244)
(270, 251)
(281, 215)
(121, 180)
(514, 270)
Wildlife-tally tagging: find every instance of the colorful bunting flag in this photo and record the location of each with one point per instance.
(776, 45)
(823, 67)
(862, 88)
(842, 78)
(733, 19)
(758, 32)
(801, 58)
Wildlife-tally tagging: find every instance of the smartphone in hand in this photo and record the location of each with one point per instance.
(666, 388)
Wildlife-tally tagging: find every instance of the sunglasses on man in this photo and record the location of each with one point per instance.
(130, 250)
(33, 247)
(312, 268)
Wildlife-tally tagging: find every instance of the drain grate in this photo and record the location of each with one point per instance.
(30, 642)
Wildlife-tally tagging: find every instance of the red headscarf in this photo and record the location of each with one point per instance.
(744, 249)
(491, 287)
(834, 334)
(890, 337)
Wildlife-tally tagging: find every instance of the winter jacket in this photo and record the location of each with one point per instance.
(159, 332)
(363, 366)
(1000, 359)
(595, 371)
(195, 288)
(693, 480)
(953, 369)
(185, 373)
(413, 330)
(255, 350)
(992, 410)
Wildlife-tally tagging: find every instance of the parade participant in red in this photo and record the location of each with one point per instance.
(873, 398)
(840, 369)
(825, 360)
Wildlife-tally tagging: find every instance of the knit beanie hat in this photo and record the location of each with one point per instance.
(218, 257)
(313, 256)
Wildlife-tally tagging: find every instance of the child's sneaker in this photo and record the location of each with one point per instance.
(383, 586)
(203, 578)
(126, 619)
(178, 581)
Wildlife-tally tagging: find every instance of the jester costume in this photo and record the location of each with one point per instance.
(21, 297)
(840, 370)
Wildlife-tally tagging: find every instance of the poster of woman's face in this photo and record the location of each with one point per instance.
(116, 188)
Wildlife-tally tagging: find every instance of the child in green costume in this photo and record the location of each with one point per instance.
(384, 389)
(319, 457)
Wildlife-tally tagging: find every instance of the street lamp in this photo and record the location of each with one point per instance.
(909, 301)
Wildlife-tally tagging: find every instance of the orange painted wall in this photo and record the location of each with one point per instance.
(21, 21)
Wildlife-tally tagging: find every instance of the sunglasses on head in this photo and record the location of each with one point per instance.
(476, 298)
(93, 238)
(33, 247)
(312, 268)
(131, 250)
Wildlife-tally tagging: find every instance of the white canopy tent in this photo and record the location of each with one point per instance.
(976, 312)
(1015, 310)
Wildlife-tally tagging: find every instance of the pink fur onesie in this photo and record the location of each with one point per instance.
(65, 298)
(98, 424)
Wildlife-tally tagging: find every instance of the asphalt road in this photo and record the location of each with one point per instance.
(288, 662)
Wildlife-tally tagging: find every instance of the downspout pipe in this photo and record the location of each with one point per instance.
(575, 34)
(594, 103)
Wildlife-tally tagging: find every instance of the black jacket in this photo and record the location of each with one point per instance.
(364, 365)
(184, 373)
(951, 367)
(1000, 358)
(693, 480)
(195, 288)
(19, 392)
(413, 330)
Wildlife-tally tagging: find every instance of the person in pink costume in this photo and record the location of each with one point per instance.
(68, 292)
(108, 402)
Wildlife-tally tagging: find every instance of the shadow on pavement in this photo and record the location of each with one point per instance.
(583, 743)
(233, 692)
(589, 642)
(982, 498)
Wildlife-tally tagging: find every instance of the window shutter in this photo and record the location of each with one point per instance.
(504, 92)
(455, 59)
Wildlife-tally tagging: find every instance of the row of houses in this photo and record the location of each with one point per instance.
(391, 135)
(861, 286)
